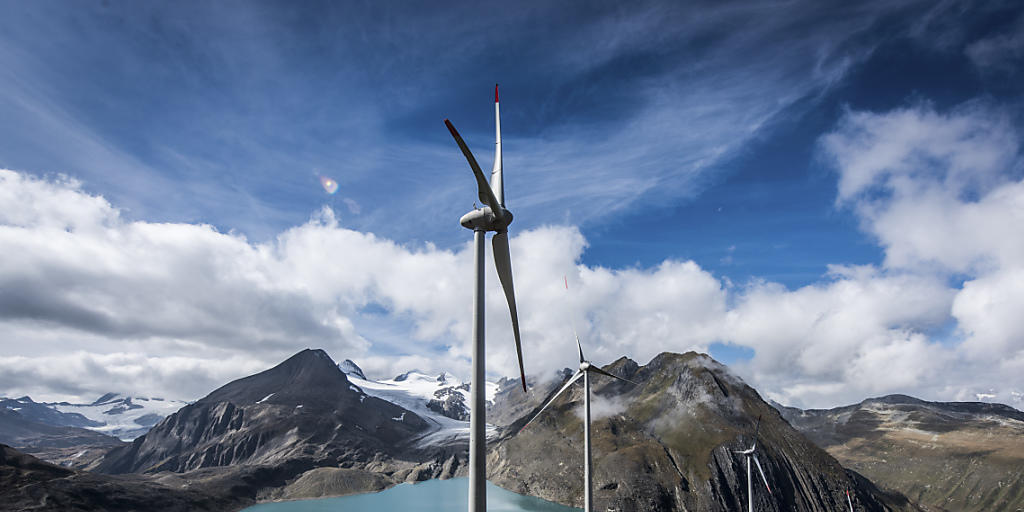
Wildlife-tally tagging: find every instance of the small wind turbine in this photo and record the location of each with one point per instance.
(751, 453)
(492, 217)
(585, 370)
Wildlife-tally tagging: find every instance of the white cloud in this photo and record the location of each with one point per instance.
(942, 194)
(83, 290)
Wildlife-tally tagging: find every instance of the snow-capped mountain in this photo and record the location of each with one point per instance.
(116, 415)
(442, 400)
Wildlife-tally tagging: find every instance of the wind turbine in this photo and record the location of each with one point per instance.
(751, 453)
(585, 370)
(492, 217)
(848, 500)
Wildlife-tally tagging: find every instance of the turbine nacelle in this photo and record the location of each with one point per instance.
(585, 366)
(484, 219)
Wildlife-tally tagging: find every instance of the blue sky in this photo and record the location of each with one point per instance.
(643, 136)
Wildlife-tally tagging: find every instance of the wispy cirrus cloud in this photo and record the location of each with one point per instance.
(218, 113)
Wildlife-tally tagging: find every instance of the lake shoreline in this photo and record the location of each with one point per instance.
(434, 495)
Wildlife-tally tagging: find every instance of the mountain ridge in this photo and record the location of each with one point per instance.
(964, 456)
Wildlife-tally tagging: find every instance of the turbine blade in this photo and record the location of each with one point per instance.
(848, 500)
(503, 263)
(579, 373)
(763, 479)
(483, 189)
(602, 372)
(497, 182)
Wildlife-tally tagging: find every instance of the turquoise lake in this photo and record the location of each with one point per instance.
(430, 496)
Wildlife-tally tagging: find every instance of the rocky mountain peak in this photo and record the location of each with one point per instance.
(304, 412)
(107, 397)
(669, 442)
(349, 367)
(308, 377)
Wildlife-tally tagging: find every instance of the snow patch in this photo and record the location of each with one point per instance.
(413, 390)
(122, 416)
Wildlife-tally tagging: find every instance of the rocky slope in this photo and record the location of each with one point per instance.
(964, 456)
(31, 484)
(303, 411)
(668, 444)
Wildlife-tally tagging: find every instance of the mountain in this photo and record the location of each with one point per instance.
(31, 484)
(965, 456)
(68, 446)
(46, 414)
(668, 443)
(306, 429)
(113, 414)
(301, 414)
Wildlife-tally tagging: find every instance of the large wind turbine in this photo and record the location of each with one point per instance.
(585, 370)
(492, 217)
(751, 453)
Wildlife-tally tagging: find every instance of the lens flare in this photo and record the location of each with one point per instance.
(330, 186)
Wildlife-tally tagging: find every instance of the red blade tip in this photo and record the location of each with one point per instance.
(495, 93)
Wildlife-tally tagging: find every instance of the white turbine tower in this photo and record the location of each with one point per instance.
(585, 370)
(751, 453)
(492, 217)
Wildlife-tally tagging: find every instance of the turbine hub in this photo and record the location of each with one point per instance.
(483, 219)
(584, 366)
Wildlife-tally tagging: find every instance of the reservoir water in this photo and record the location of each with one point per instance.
(430, 496)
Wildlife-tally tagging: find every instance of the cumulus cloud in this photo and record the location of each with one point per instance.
(942, 194)
(83, 280)
(84, 292)
(831, 333)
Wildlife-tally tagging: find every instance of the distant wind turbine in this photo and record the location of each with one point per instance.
(492, 217)
(585, 370)
(751, 453)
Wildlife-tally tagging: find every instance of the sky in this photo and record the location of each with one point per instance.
(826, 196)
